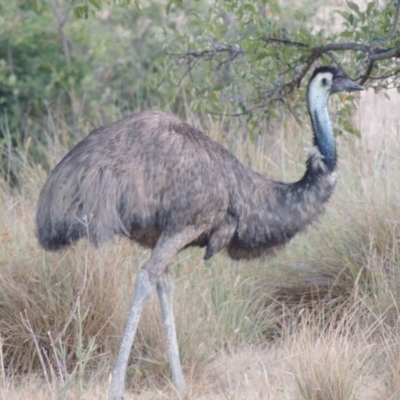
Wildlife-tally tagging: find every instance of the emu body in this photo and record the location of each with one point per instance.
(159, 181)
(151, 173)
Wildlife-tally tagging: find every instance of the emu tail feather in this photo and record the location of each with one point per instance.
(70, 209)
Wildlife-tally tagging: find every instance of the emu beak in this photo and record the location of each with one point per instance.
(352, 86)
(346, 84)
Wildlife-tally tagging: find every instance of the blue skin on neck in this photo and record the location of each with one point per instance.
(323, 137)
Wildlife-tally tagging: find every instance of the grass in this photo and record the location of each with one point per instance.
(317, 322)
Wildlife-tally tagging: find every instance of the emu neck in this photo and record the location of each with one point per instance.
(323, 134)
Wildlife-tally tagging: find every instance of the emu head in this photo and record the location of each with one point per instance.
(326, 81)
(333, 80)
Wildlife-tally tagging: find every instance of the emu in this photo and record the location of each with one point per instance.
(166, 185)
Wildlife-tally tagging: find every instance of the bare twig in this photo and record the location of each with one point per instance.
(363, 78)
(391, 75)
(62, 20)
(28, 326)
(61, 366)
(217, 48)
(285, 42)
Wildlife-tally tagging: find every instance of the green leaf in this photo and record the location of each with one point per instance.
(248, 7)
(178, 3)
(272, 113)
(36, 6)
(347, 16)
(168, 6)
(274, 7)
(346, 34)
(81, 11)
(212, 96)
(353, 6)
(348, 127)
(262, 54)
(218, 87)
(370, 7)
(96, 4)
(300, 15)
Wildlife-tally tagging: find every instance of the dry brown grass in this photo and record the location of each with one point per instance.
(319, 321)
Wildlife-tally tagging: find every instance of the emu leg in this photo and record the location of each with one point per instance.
(165, 290)
(146, 280)
(143, 289)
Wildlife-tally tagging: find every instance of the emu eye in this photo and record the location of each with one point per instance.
(324, 81)
(337, 79)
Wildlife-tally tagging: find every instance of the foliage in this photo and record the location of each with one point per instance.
(246, 59)
(86, 62)
(83, 72)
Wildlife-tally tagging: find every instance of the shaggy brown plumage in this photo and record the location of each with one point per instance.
(152, 173)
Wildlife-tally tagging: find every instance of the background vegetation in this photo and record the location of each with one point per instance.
(319, 321)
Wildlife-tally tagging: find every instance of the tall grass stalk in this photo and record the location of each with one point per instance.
(28, 326)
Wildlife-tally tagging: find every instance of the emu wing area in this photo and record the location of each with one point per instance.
(140, 176)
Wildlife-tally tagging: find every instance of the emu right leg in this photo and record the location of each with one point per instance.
(165, 290)
(143, 289)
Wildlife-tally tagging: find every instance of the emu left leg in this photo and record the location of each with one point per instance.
(143, 289)
(165, 289)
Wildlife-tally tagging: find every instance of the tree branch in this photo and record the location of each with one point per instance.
(363, 78)
(308, 54)
(374, 52)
